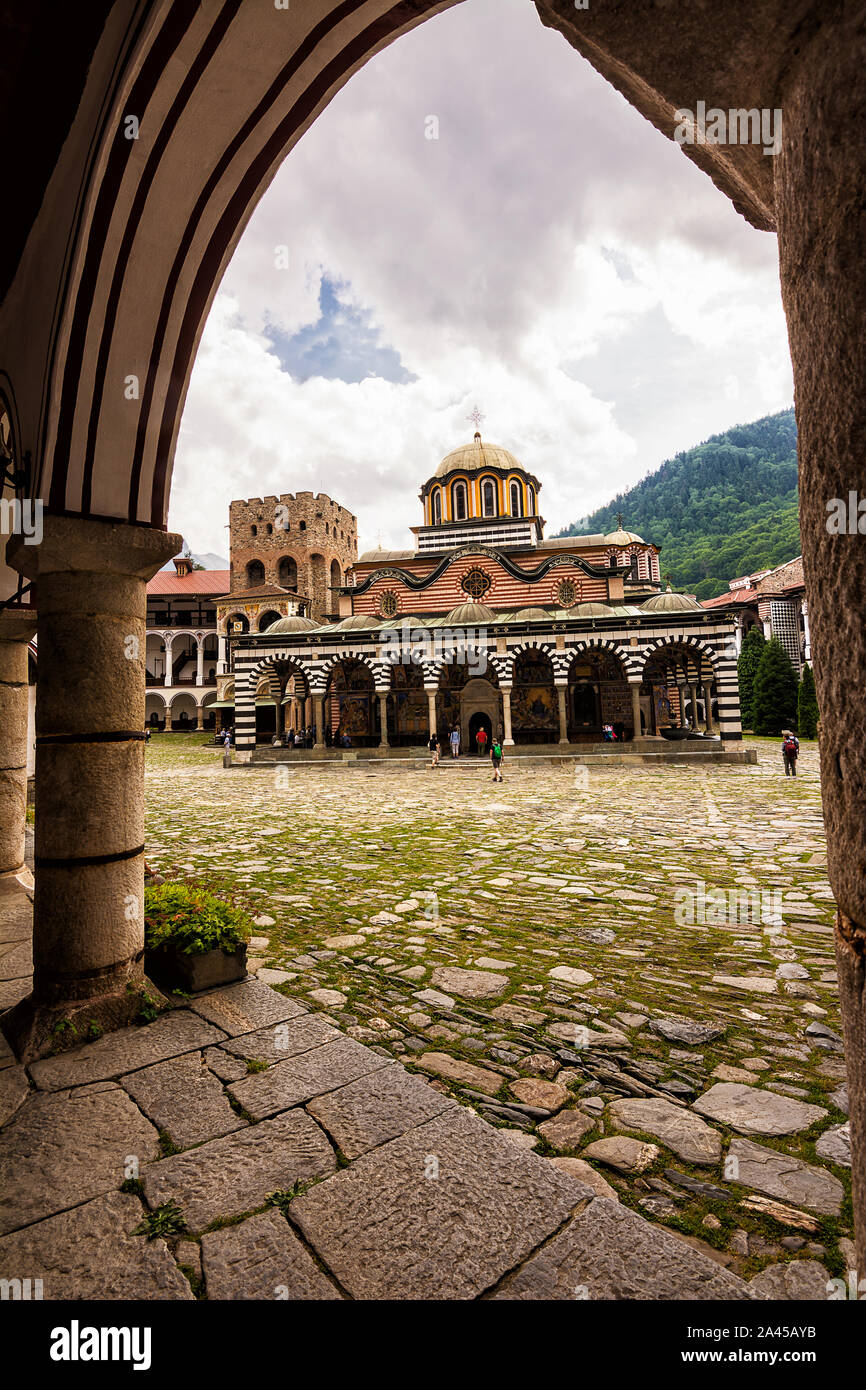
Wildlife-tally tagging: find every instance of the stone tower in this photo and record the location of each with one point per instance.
(299, 541)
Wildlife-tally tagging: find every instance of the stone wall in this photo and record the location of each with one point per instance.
(311, 530)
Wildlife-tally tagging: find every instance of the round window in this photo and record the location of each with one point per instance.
(476, 583)
(389, 604)
(566, 593)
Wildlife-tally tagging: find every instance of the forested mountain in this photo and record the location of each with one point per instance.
(725, 508)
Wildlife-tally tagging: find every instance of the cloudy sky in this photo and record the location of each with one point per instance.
(549, 257)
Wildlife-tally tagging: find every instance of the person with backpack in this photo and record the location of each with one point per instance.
(496, 759)
(790, 749)
(433, 745)
(455, 741)
(481, 740)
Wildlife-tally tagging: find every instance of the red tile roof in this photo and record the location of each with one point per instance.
(734, 598)
(196, 582)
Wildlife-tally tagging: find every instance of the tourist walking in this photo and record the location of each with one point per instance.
(496, 759)
(481, 740)
(433, 745)
(455, 741)
(790, 749)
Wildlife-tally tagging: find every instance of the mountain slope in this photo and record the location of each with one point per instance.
(724, 508)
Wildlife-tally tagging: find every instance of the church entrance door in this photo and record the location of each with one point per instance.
(480, 721)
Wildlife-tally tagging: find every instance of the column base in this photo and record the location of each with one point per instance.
(20, 877)
(34, 1029)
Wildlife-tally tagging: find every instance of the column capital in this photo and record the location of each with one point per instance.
(79, 545)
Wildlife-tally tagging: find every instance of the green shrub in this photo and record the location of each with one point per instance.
(193, 920)
(775, 692)
(807, 705)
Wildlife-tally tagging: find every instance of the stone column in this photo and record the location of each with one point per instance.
(200, 717)
(820, 175)
(88, 920)
(708, 708)
(308, 711)
(634, 686)
(318, 702)
(383, 718)
(17, 626)
(168, 674)
(199, 663)
(561, 690)
(693, 692)
(508, 740)
(222, 663)
(431, 711)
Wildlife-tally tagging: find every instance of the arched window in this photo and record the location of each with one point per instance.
(458, 501)
(255, 574)
(269, 528)
(531, 492)
(516, 507)
(336, 576)
(437, 507)
(287, 575)
(488, 497)
(611, 560)
(255, 530)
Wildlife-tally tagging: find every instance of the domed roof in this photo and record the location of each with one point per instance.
(591, 610)
(471, 458)
(466, 614)
(294, 623)
(670, 602)
(621, 537)
(356, 620)
(530, 614)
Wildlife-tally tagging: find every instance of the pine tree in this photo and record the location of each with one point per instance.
(807, 705)
(747, 666)
(775, 691)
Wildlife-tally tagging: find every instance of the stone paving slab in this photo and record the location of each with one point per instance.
(262, 1258)
(16, 959)
(12, 991)
(283, 1040)
(679, 1130)
(788, 1178)
(607, 1251)
(60, 1149)
(797, 1280)
(126, 1051)
(183, 1097)
(377, 1108)
(754, 1111)
(228, 1176)
(390, 1228)
(16, 917)
(310, 1074)
(14, 1090)
(90, 1253)
(243, 1008)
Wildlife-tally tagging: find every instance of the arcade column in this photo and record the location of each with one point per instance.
(90, 580)
(16, 629)
(561, 692)
(506, 714)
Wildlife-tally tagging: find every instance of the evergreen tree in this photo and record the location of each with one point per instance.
(775, 691)
(747, 666)
(807, 705)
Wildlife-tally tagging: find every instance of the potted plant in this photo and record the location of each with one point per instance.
(193, 939)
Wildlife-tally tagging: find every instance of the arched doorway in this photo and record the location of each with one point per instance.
(599, 698)
(480, 720)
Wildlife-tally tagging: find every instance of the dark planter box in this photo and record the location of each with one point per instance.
(175, 970)
(675, 734)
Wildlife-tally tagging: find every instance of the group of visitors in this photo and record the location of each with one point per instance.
(481, 741)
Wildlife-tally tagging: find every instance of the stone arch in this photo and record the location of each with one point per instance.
(183, 710)
(155, 709)
(628, 657)
(287, 572)
(267, 618)
(238, 617)
(254, 574)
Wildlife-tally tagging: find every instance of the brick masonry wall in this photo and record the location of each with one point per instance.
(310, 529)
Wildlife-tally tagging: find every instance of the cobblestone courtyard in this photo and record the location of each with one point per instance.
(519, 943)
(552, 953)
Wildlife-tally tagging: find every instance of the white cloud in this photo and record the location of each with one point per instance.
(550, 257)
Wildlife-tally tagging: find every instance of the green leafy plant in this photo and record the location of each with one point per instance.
(775, 693)
(167, 1220)
(193, 920)
(747, 668)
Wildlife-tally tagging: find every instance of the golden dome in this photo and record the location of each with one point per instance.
(472, 458)
(591, 610)
(528, 614)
